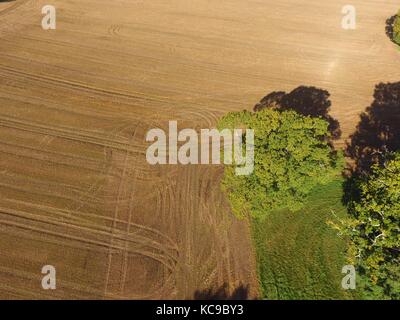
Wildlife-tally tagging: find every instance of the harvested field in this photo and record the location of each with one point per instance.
(76, 191)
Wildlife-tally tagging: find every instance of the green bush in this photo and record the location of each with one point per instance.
(292, 155)
(396, 29)
(374, 229)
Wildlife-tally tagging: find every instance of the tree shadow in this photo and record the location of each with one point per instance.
(378, 131)
(308, 101)
(222, 293)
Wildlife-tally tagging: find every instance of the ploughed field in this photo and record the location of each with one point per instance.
(76, 191)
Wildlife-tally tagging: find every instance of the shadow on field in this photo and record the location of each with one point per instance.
(308, 101)
(222, 293)
(378, 131)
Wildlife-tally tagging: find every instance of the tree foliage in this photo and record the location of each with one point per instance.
(374, 229)
(393, 28)
(292, 156)
(396, 29)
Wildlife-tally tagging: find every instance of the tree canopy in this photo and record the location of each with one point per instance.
(393, 28)
(374, 228)
(292, 155)
(396, 29)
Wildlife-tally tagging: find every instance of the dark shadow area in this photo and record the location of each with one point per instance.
(390, 27)
(351, 191)
(272, 100)
(7, 0)
(378, 131)
(308, 101)
(222, 293)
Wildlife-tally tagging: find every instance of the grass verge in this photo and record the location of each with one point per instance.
(299, 256)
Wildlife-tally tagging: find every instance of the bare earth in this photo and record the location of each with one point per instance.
(76, 191)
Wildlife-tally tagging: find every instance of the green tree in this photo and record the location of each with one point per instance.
(292, 155)
(396, 29)
(374, 229)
